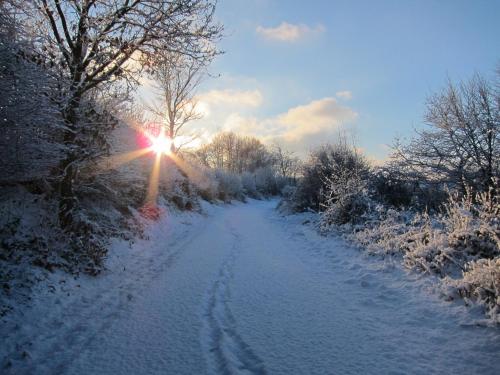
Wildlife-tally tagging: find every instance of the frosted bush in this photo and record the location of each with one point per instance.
(286, 204)
(288, 191)
(206, 183)
(391, 232)
(230, 186)
(431, 252)
(265, 181)
(481, 283)
(346, 201)
(249, 186)
(326, 165)
(472, 224)
(463, 242)
(281, 182)
(467, 230)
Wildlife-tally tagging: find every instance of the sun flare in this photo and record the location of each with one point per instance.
(161, 145)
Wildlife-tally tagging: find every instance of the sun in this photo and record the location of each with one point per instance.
(161, 144)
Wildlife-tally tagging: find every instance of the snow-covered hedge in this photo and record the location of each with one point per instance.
(461, 244)
(229, 185)
(223, 185)
(480, 283)
(249, 185)
(265, 181)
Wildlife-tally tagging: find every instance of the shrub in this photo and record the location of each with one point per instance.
(389, 188)
(346, 201)
(229, 186)
(209, 190)
(473, 223)
(265, 181)
(389, 231)
(467, 229)
(481, 283)
(462, 240)
(327, 165)
(429, 251)
(249, 186)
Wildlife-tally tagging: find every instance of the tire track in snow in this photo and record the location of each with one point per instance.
(225, 350)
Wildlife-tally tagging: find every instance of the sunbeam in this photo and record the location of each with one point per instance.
(193, 174)
(154, 180)
(118, 160)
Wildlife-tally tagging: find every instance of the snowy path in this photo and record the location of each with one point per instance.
(245, 291)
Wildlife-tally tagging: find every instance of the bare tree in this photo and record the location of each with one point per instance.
(236, 154)
(95, 41)
(461, 145)
(285, 162)
(177, 77)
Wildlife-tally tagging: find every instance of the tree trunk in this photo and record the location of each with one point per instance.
(68, 199)
(68, 166)
(171, 135)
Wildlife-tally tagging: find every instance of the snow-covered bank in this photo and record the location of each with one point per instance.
(244, 290)
(64, 312)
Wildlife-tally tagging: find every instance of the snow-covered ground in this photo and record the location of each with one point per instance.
(243, 290)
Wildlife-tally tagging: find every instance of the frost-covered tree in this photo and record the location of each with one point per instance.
(461, 144)
(286, 164)
(30, 120)
(177, 77)
(234, 153)
(92, 42)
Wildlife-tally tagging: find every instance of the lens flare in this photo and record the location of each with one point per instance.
(154, 182)
(152, 139)
(116, 161)
(161, 145)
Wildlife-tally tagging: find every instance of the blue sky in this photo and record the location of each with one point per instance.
(295, 71)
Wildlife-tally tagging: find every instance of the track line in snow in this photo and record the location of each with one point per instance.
(225, 350)
(245, 292)
(70, 326)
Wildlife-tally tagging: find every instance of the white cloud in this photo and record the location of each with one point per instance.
(287, 32)
(249, 98)
(237, 123)
(316, 117)
(228, 99)
(347, 95)
(299, 128)
(308, 123)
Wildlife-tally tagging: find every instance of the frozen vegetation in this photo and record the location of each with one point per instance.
(459, 241)
(125, 250)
